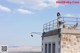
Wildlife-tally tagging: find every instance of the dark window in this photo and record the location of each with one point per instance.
(42, 48)
(49, 49)
(45, 48)
(53, 48)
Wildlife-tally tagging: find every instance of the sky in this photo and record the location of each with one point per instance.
(18, 18)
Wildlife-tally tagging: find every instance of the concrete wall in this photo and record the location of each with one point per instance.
(66, 40)
(51, 39)
(70, 41)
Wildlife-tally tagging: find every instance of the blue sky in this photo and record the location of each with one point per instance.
(18, 18)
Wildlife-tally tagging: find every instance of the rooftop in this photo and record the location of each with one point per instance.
(63, 23)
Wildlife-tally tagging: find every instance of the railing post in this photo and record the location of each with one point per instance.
(46, 27)
(76, 19)
(43, 27)
(53, 24)
(49, 25)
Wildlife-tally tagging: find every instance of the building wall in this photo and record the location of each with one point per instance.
(66, 40)
(51, 39)
(70, 42)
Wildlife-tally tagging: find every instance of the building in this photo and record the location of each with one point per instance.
(64, 38)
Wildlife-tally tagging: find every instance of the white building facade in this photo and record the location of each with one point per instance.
(50, 43)
(61, 41)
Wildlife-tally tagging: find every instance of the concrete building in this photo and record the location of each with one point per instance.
(61, 40)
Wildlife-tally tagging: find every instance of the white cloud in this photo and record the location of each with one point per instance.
(69, 15)
(24, 11)
(78, 15)
(72, 15)
(4, 9)
(37, 4)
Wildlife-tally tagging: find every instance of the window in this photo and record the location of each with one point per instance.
(53, 48)
(45, 48)
(49, 49)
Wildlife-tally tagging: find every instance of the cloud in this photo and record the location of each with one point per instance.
(4, 9)
(24, 11)
(72, 15)
(35, 4)
(78, 15)
(69, 15)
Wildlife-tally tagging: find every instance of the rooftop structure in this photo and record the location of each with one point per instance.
(69, 22)
(61, 35)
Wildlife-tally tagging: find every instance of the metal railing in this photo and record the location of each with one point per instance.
(69, 21)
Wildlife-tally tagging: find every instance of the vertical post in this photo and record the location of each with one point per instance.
(49, 25)
(53, 24)
(58, 23)
(43, 28)
(63, 19)
(46, 28)
(76, 19)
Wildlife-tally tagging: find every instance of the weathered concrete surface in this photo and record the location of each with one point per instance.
(72, 31)
(66, 40)
(70, 41)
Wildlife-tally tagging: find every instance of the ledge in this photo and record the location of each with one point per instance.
(61, 31)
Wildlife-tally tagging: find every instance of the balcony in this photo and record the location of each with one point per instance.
(69, 22)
